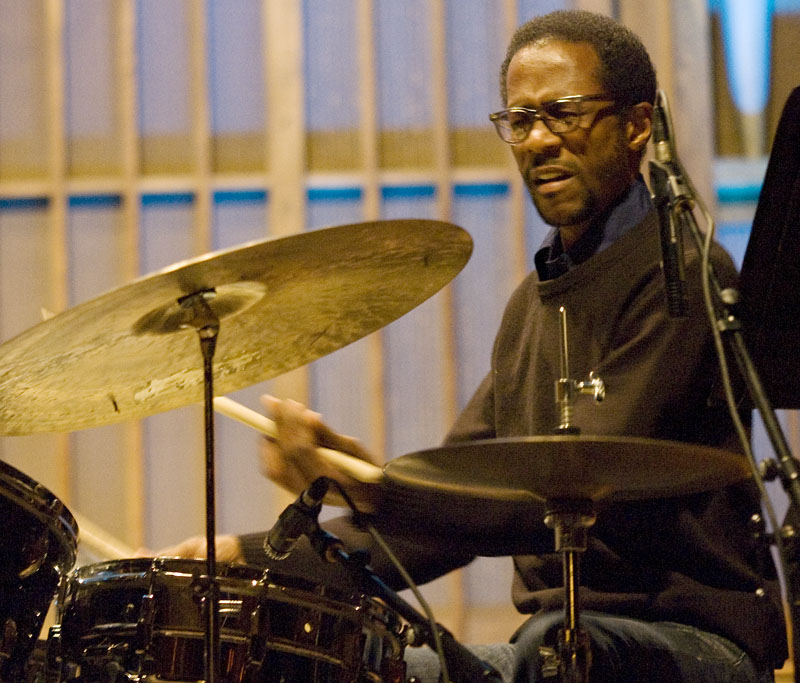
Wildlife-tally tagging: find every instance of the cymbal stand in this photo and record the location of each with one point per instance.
(571, 519)
(206, 322)
(566, 388)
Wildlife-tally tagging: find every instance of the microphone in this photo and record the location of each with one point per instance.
(297, 519)
(670, 191)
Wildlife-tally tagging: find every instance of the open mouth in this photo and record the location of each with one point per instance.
(551, 180)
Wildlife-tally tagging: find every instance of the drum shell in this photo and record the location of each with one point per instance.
(145, 617)
(39, 548)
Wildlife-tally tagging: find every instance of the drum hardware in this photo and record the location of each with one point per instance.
(570, 521)
(569, 476)
(274, 627)
(567, 388)
(461, 662)
(144, 632)
(206, 589)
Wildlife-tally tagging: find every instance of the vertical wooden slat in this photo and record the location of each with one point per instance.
(285, 134)
(517, 188)
(793, 422)
(677, 35)
(444, 187)
(285, 141)
(57, 207)
(599, 6)
(368, 137)
(368, 111)
(444, 209)
(652, 22)
(692, 89)
(201, 127)
(126, 69)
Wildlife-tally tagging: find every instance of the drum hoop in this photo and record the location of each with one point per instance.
(140, 568)
(37, 500)
(238, 580)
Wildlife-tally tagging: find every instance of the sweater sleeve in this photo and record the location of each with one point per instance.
(476, 421)
(425, 556)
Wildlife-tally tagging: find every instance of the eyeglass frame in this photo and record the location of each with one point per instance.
(547, 119)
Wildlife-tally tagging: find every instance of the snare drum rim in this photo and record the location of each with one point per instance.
(37, 500)
(143, 566)
(237, 579)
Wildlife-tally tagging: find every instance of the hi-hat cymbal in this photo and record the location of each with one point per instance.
(281, 304)
(546, 468)
(490, 497)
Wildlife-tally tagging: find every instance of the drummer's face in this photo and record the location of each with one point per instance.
(573, 176)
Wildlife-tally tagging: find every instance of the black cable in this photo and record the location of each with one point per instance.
(361, 521)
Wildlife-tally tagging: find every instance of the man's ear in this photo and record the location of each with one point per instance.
(639, 126)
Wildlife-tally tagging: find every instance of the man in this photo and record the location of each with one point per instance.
(672, 589)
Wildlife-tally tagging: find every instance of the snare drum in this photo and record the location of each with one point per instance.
(38, 549)
(143, 618)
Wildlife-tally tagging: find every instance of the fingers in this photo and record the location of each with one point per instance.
(190, 548)
(301, 430)
(228, 549)
(293, 460)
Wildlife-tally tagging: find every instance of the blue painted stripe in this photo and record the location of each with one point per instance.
(480, 189)
(232, 196)
(24, 202)
(733, 194)
(154, 199)
(334, 194)
(99, 200)
(407, 191)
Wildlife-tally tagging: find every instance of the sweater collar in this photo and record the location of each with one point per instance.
(552, 261)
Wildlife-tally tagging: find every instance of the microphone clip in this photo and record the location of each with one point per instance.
(299, 519)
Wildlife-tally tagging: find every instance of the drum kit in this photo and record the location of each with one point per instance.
(227, 320)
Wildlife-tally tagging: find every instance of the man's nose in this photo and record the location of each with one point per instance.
(540, 137)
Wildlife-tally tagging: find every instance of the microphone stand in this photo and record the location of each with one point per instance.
(730, 327)
(466, 666)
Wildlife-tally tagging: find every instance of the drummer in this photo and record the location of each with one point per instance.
(672, 589)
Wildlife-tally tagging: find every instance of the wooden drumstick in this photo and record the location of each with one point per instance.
(99, 541)
(358, 469)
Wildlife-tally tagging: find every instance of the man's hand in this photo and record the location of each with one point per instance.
(229, 550)
(292, 459)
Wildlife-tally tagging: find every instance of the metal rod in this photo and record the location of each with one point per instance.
(562, 319)
(207, 324)
(212, 598)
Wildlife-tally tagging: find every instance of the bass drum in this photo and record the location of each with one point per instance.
(143, 619)
(38, 549)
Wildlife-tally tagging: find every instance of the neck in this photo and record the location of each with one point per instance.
(570, 234)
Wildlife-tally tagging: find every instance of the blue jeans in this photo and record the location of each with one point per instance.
(623, 651)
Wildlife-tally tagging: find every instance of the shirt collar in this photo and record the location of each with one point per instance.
(551, 260)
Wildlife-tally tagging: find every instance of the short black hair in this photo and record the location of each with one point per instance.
(626, 71)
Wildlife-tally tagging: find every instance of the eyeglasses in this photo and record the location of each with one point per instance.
(560, 116)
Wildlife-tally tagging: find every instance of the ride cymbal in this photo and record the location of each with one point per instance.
(282, 303)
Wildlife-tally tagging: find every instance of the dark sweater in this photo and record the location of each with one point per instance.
(689, 559)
